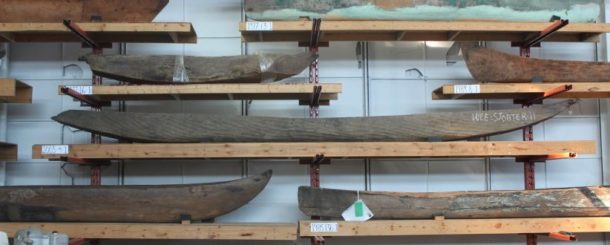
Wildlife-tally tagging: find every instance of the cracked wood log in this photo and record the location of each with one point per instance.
(80, 10)
(145, 203)
(176, 127)
(488, 65)
(191, 69)
(568, 202)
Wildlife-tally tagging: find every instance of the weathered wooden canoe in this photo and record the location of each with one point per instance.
(146, 203)
(505, 10)
(174, 127)
(80, 10)
(190, 69)
(488, 65)
(568, 202)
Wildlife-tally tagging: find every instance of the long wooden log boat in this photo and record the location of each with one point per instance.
(190, 69)
(175, 127)
(145, 203)
(515, 10)
(567, 202)
(80, 10)
(488, 65)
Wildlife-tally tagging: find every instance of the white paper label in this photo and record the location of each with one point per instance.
(259, 26)
(467, 89)
(324, 227)
(55, 149)
(85, 90)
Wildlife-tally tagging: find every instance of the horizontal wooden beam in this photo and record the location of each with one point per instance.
(8, 152)
(519, 90)
(307, 150)
(157, 32)
(14, 91)
(309, 228)
(266, 91)
(420, 31)
(280, 232)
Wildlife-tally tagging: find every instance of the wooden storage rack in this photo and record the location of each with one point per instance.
(160, 32)
(14, 91)
(266, 91)
(464, 149)
(262, 231)
(519, 91)
(417, 31)
(441, 226)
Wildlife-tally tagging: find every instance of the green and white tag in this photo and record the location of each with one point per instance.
(358, 211)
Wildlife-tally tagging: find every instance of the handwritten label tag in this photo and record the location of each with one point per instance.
(55, 149)
(86, 90)
(467, 89)
(324, 227)
(259, 26)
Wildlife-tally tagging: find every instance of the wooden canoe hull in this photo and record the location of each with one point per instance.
(193, 128)
(568, 202)
(160, 203)
(190, 69)
(80, 10)
(488, 65)
(434, 10)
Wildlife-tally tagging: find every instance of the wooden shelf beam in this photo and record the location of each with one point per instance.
(270, 91)
(420, 31)
(307, 150)
(14, 91)
(141, 231)
(518, 91)
(158, 32)
(456, 226)
(8, 152)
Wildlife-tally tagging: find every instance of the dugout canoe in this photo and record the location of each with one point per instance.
(177, 127)
(566, 202)
(190, 69)
(434, 10)
(488, 65)
(144, 203)
(80, 10)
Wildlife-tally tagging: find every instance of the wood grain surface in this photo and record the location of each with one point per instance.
(145, 203)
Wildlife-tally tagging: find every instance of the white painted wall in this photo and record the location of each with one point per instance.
(391, 91)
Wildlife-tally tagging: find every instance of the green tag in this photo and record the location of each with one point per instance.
(359, 208)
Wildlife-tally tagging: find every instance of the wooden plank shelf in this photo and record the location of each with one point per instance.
(142, 231)
(454, 226)
(159, 32)
(14, 91)
(8, 151)
(518, 91)
(268, 91)
(418, 31)
(462, 149)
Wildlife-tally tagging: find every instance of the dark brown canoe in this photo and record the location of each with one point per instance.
(146, 203)
(190, 69)
(175, 127)
(80, 10)
(488, 65)
(568, 202)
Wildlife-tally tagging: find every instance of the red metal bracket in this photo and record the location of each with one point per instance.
(539, 98)
(562, 236)
(545, 158)
(84, 99)
(535, 40)
(84, 37)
